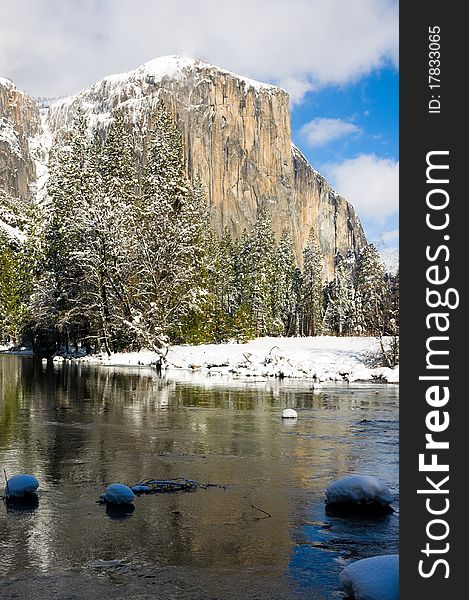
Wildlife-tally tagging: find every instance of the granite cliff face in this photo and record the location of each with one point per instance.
(337, 226)
(19, 123)
(237, 140)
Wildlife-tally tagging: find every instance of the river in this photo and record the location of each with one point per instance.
(79, 428)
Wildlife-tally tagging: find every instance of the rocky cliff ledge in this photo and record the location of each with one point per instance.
(337, 225)
(19, 123)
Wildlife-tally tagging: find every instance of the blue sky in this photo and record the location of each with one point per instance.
(336, 58)
(371, 103)
(339, 124)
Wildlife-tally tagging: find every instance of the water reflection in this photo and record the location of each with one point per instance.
(22, 505)
(119, 513)
(79, 428)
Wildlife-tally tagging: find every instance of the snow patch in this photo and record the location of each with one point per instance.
(7, 83)
(324, 358)
(39, 148)
(9, 136)
(177, 67)
(12, 232)
(375, 578)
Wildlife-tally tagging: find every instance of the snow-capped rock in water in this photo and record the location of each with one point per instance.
(289, 413)
(359, 490)
(20, 486)
(375, 578)
(118, 493)
(219, 114)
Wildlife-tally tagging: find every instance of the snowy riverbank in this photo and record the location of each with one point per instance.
(320, 358)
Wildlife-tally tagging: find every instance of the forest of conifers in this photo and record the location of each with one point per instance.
(120, 258)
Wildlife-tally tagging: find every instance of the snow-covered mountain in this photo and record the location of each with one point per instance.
(236, 135)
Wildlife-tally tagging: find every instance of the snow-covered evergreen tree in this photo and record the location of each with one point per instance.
(371, 291)
(110, 220)
(60, 299)
(340, 305)
(120, 260)
(82, 291)
(257, 275)
(219, 312)
(284, 298)
(312, 287)
(171, 237)
(19, 221)
(14, 289)
(297, 292)
(391, 320)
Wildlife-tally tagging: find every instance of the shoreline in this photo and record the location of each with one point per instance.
(318, 359)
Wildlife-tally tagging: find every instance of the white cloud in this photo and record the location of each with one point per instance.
(320, 131)
(297, 88)
(52, 48)
(370, 183)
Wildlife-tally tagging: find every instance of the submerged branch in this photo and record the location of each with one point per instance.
(262, 511)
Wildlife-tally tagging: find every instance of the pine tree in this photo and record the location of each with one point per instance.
(171, 236)
(391, 320)
(60, 296)
(81, 292)
(283, 292)
(225, 274)
(312, 287)
(14, 290)
(257, 275)
(121, 268)
(218, 319)
(17, 222)
(110, 220)
(339, 313)
(370, 288)
(297, 293)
